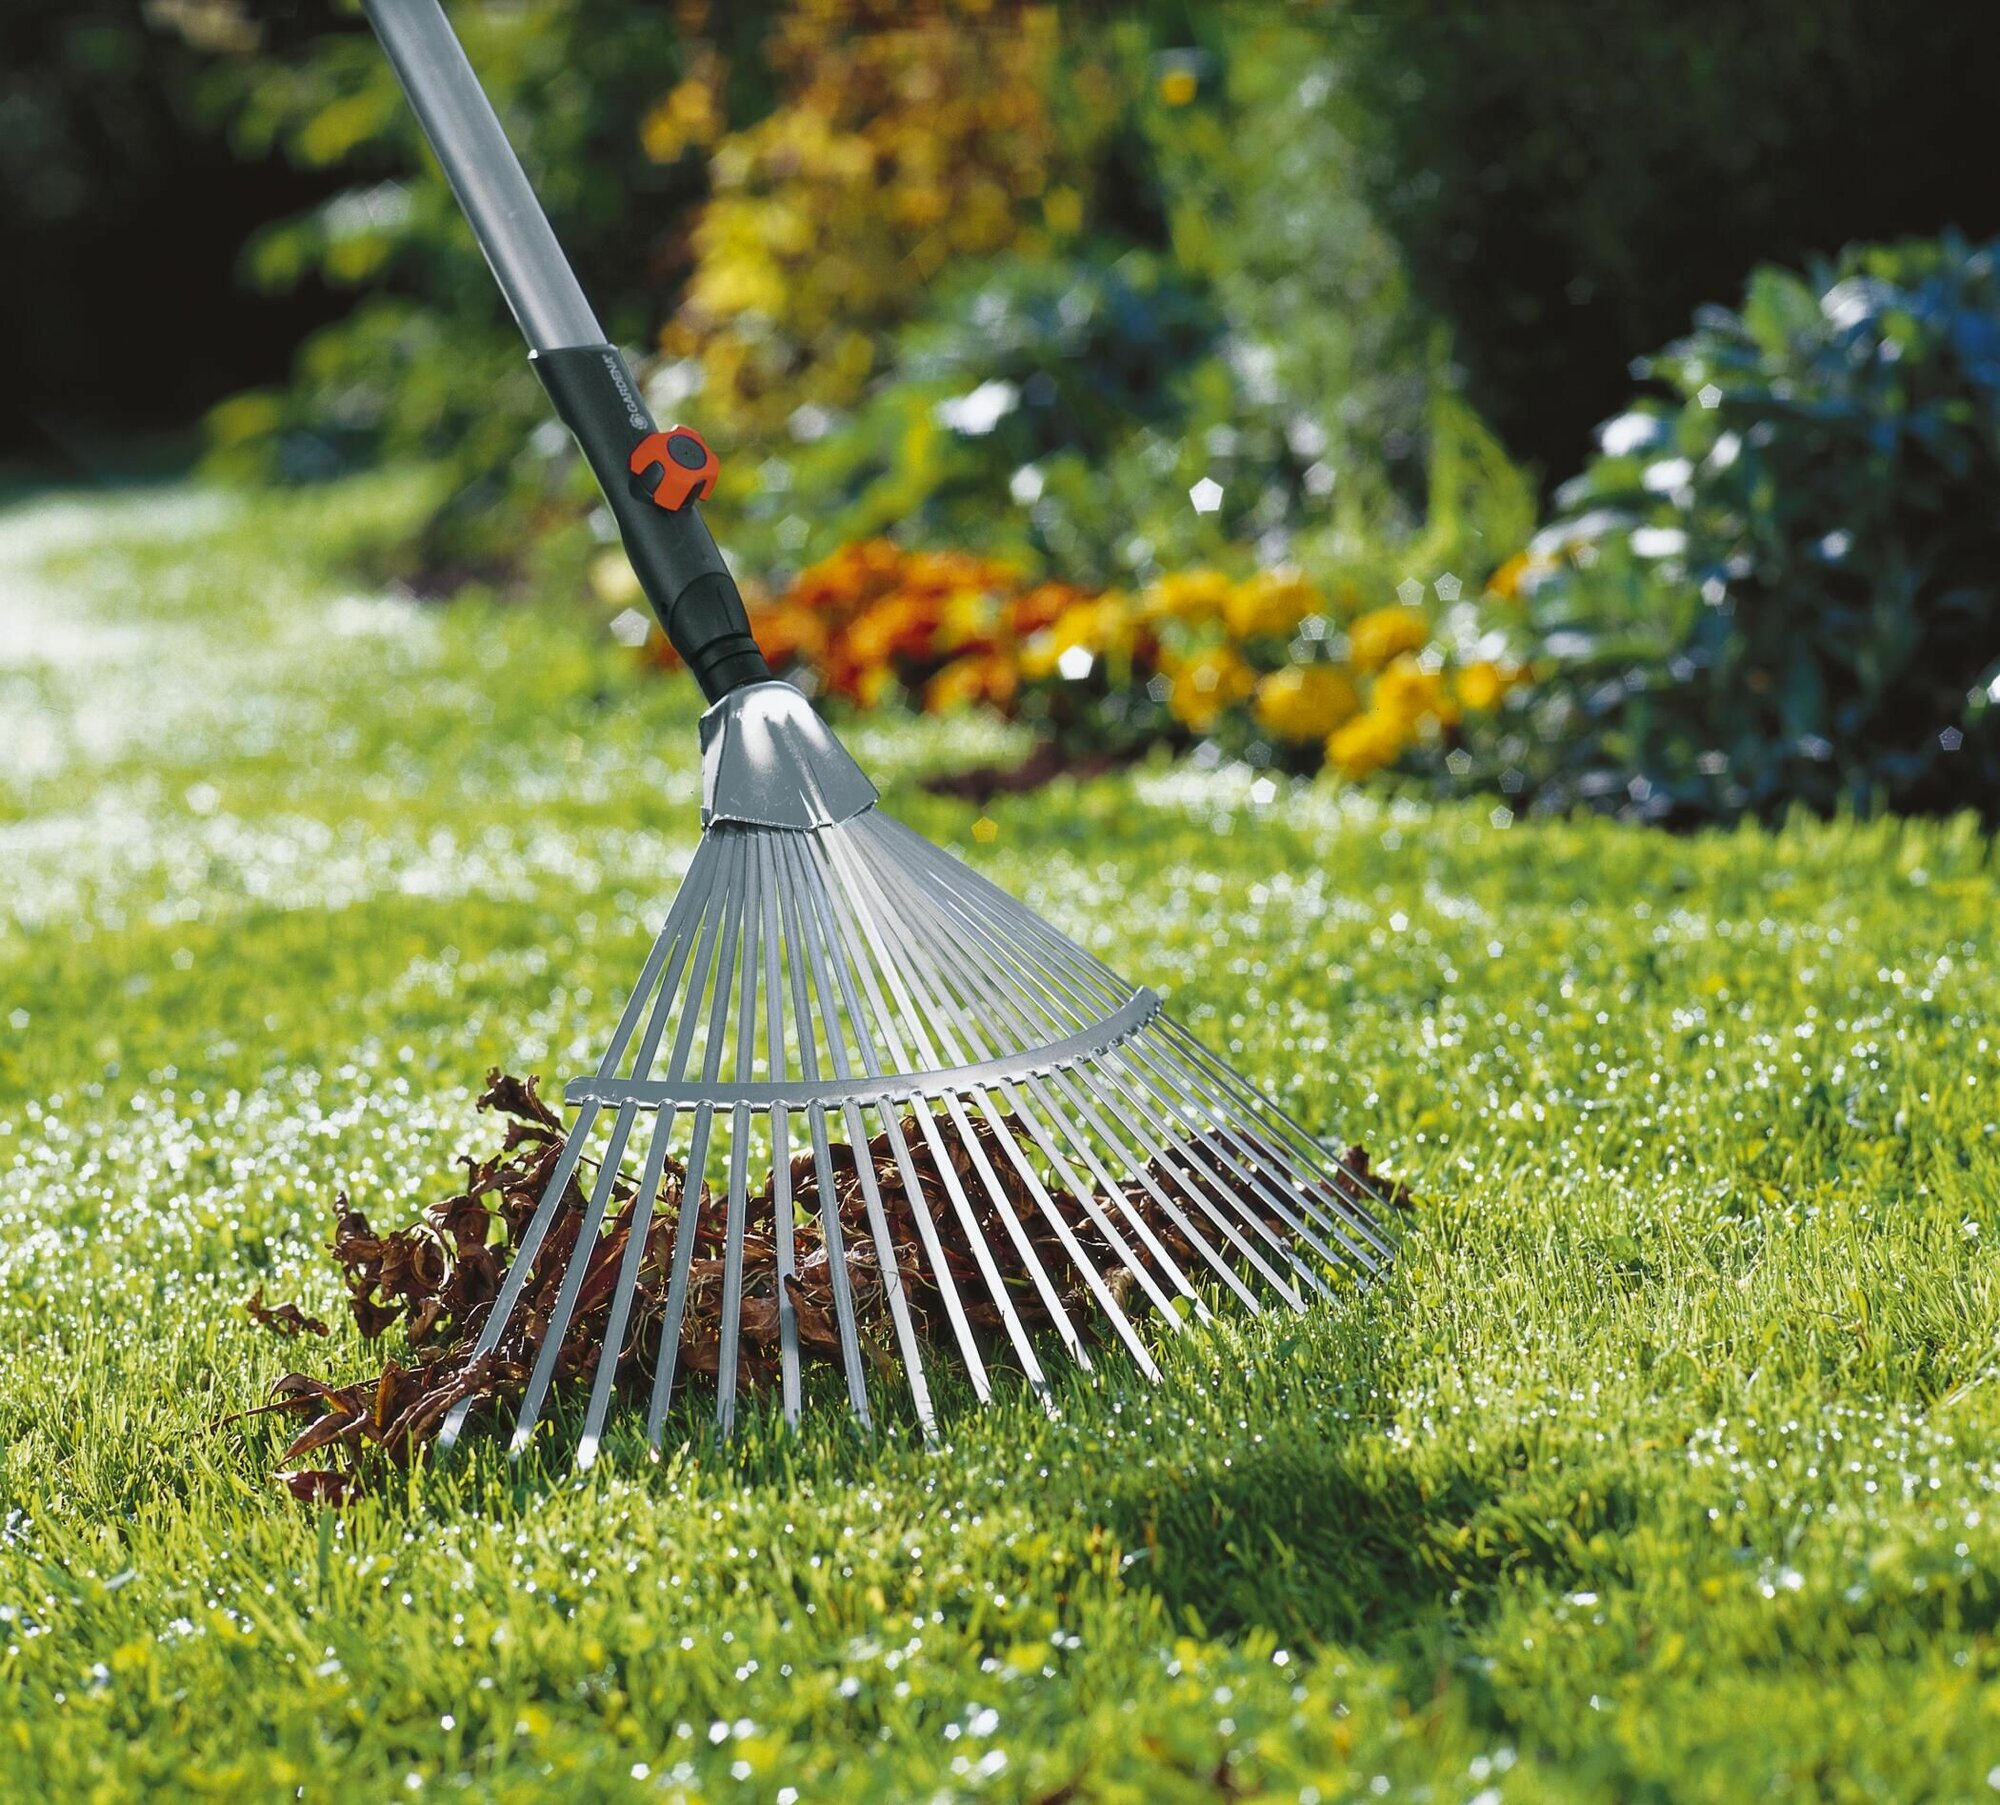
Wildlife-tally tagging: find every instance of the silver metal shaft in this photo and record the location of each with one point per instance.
(485, 174)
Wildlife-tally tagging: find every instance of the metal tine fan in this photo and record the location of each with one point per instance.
(1036, 1147)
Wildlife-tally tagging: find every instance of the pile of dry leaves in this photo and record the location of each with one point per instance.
(439, 1276)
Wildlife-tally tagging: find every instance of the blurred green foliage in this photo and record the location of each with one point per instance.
(1233, 289)
(1023, 379)
(1780, 587)
(1204, 296)
(428, 364)
(1231, 314)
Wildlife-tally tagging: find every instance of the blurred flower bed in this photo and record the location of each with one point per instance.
(1268, 666)
(1148, 451)
(1068, 365)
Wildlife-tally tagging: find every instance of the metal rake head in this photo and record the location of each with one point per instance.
(975, 1137)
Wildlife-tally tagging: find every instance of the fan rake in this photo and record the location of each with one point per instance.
(1037, 1148)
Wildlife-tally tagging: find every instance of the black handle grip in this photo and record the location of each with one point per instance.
(675, 557)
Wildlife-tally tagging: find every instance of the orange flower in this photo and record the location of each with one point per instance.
(787, 634)
(900, 625)
(1041, 606)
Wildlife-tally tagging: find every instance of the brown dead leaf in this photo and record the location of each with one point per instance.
(281, 1319)
(320, 1485)
(439, 1276)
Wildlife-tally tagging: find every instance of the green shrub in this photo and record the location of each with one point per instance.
(998, 408)
(1785, 585)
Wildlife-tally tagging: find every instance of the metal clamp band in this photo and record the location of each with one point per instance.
(888, 1087)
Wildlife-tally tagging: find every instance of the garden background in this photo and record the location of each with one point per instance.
(1466, 539)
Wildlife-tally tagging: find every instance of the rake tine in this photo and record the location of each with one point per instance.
(913, 1191)
(690, 902)
(739, 1179)
(951, 961)
(904, 982)
(732, 1270)
(1017, 1334)
(1083, 1100)
(1083, 973)
(1159, 1065)
(976, 968)
(941, 1163)
(1325, 1187)
(1263, 1108)
(781, 1150)
(629, 1265)
(1026, 967)
(1183, 1140)
(1094, 1081)
(786, 1273)
(1089, 976)
(1050, 1126)
(802, 957)
(824, 951)
(885, 1252)
(715, 959)
(573, 1275)
(1059, 1128)
(633, 1260)
(857, 875)
(517, 1274)
(1107, 1299)
(1082, 970)
(557, 1328)
(1009, 1144)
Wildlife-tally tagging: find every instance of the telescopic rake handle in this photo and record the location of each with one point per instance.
(651, 479)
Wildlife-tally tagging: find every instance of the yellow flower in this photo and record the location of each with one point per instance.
(1207, 684)
(1366, 744)
(1063, 210)
(1518, 576)
(968, 617)
(983, 678)
(1481, 685)
(1385, 634)
(1271, 602)
(1190, 595)
(1408, 693)
(1097, 626)
(1305, 702)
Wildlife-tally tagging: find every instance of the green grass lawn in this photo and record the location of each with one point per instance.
(1663, 1466)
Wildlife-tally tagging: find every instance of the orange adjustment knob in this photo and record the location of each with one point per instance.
(675, 467)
